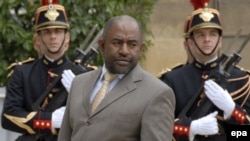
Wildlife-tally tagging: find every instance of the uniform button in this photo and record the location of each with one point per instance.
(50, 95)
(88, 123)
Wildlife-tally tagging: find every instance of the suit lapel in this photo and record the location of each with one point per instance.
(92, 78)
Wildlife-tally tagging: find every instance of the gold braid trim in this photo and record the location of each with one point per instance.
(238, 79)
(173, 139)
(177, 119)
(245, 89)
(11, 66)
(165, 70)
(220, 118)
(20, 122)
(20, 63)
(246, 92)
(92, 66)
(248, 118)
(10, 73)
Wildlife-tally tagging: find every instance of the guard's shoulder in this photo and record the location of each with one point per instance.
(13, 65)
(162, 72)
(177, 66)
(166, 70)
(93, 67)
(242, 69)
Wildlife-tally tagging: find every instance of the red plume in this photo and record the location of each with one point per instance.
(198, 3)
(47, 2)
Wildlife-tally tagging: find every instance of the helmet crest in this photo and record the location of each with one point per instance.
(199, 3)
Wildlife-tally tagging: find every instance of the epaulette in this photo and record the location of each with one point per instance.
(168, 70)
(177, 66)
(92, 67)
(163, 71)
(12, 65)
(243, 69)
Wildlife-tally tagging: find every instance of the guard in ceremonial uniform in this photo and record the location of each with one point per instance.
(206, 103)
(36, 97)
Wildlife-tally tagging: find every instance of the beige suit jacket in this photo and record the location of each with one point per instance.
(139, 108)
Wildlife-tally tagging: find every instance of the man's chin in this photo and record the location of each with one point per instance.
(121, 69)
(53, 50)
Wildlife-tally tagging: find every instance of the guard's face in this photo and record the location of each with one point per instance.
(208, 41)
(54, 41)
(122, 47)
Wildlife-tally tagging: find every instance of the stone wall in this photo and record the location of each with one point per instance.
(167, 26)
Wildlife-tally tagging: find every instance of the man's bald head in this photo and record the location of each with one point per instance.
(122, 18)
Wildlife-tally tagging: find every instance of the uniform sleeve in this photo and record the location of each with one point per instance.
(181, 129)
(17, 115)
(240, 114)
(158, 118)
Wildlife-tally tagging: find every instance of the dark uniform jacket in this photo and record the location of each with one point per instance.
(188, 81)
(28, 82)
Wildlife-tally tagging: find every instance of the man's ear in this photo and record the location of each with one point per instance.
(220, 43)
(67, 40)
(67, 37)
(189, 42)
(142, 47)
(101, 45)
(37, 44)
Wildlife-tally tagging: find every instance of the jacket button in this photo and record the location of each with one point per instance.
(88, 123)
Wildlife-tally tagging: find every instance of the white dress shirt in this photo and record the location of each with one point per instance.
(98, 83)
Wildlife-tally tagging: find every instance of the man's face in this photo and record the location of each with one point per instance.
(207, 40)
(122, 47)
(54, 41)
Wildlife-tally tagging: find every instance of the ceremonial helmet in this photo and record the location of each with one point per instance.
(204, 17)
(50, 15)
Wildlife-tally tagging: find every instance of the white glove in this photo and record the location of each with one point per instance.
(57, 116)
(67, 78)
(206, 125)
(220, 97)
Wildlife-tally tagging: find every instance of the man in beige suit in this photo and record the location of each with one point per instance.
(137, 107)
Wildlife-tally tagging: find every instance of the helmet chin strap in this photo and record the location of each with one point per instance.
(206, 54)
(53, 52)
(189, 51)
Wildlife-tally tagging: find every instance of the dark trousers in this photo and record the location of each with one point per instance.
(37, 137)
